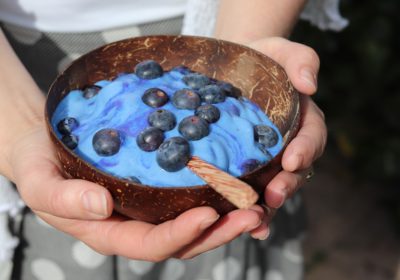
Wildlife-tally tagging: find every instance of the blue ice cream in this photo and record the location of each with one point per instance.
(230, 144)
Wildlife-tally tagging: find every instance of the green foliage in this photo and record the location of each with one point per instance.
(359, 86)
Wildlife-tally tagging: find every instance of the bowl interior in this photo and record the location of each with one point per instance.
(260, 78)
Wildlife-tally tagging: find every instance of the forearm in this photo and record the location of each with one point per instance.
(244, 21)
(21, 103)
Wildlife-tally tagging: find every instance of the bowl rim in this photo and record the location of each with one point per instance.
(292, 128)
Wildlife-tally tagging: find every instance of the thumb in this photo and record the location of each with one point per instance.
(44, 189)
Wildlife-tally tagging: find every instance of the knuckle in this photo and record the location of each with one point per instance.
(310, 54)
(319, 113)
(321, 147)
(55, 201)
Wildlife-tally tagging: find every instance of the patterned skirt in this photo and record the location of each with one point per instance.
(277, 258)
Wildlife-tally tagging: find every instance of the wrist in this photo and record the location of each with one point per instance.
(244, 21)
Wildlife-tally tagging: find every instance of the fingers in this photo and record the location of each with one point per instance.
(309, 142)
(42, 187)
(283, 186)
(300, 62)
(301, 152)
(178, 233)
(139, 240)
(226, 229)
(262, 232)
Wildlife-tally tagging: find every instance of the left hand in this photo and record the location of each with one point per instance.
(301, 63)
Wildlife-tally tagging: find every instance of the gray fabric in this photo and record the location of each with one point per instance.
(45, 253)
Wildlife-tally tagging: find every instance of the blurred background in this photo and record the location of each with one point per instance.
(353, 200)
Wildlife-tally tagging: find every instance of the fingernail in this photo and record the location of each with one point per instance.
(295, 161)
(208, 222)
(250, 228)
(309, 77)
(95, 203)
(281, 193)
(265, 235)
(257, 208)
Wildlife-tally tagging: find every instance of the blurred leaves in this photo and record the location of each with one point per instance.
(359, 86)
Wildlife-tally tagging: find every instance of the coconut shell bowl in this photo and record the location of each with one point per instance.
(258, 77)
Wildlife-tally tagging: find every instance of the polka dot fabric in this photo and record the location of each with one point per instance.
(47, 254)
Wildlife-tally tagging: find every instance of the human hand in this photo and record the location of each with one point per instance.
(83, 209)
(301, 63)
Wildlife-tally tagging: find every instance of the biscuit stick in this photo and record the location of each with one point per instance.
(231, 188)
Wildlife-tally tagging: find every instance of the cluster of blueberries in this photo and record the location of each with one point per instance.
(200, 95)
(173, 153)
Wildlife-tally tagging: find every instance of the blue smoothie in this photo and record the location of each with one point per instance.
(230, 144)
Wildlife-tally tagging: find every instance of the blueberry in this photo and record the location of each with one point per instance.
(67, 125)
(150, 139)
(70, 140)
(148, 69)
(265, 151)
(208, 112)
(155, 97)
(212, 94)
(265, 135)
(193, 128)
(186, 99)
(196, 80)
(162, 119)
(90, 91)
(230, 90)
(249, 165)
(173, 154)
(106, 142)
(133, 179)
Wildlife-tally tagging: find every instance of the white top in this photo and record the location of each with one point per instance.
(201, 15)
(324, 14)
(96, 15)
(87, 15)
(10, 205)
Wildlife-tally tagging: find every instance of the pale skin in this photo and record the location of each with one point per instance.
(84, 209)
(246, 21)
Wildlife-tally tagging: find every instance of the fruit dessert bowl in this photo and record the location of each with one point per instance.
(257, 78)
